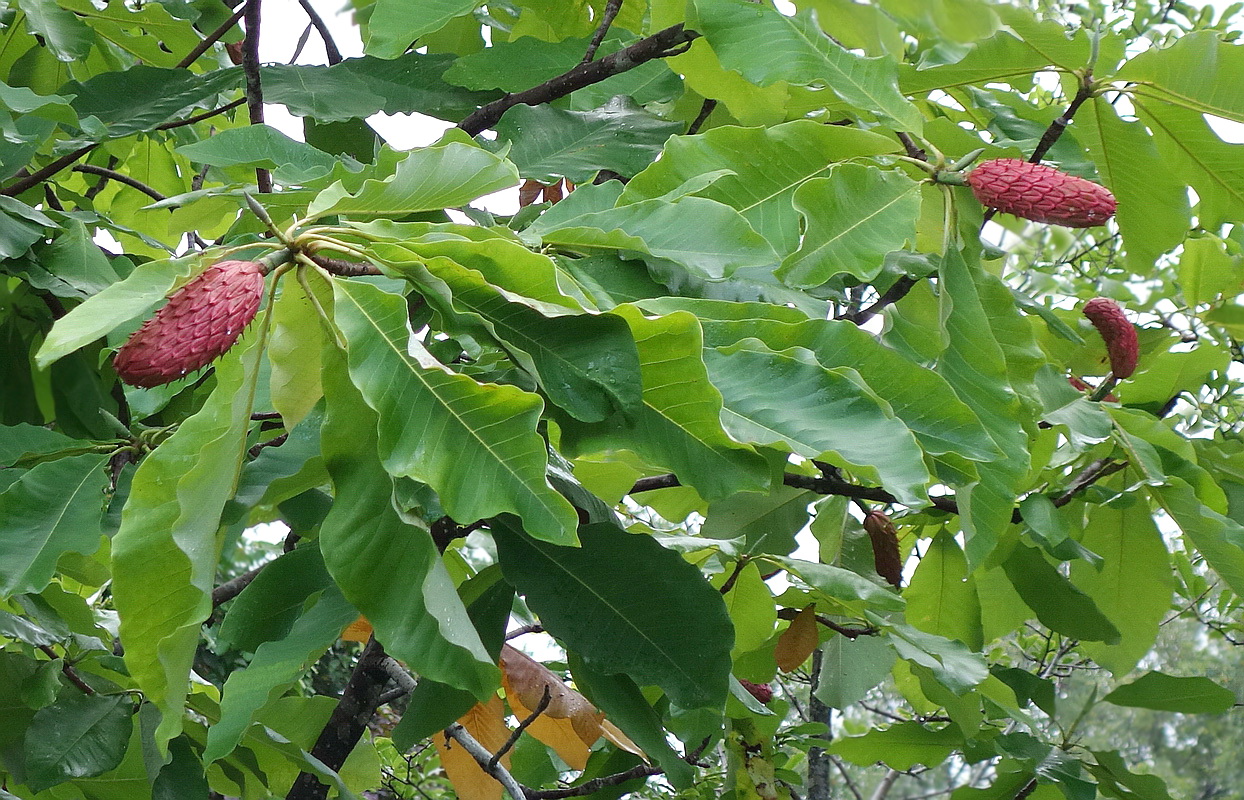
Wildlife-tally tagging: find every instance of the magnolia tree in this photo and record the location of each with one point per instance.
(849, 402)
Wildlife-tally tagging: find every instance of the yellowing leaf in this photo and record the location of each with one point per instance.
(569, 725)
(357, 631)
(486, 722)
(798, 641)
(619, 739)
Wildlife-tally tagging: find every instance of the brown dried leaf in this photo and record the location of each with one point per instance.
(570, 724)
(486, 722)
(798, 641)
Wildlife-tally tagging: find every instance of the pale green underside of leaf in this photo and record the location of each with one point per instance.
(169, 528)
(1198, 71)
(395, 24)
(475, 444)
(789, 397)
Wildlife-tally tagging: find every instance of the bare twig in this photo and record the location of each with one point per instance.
(233, 587)
(594, 785)
(524, 630)
(168, 126)
(846, 777)
(254, 86)
(484, 758)
(886, 784)
(540, 708)
(706, 111)
(112, 174)
(330, 47)
(612, 7)
(662, 44)
(1087, 477)
(211, 39)
(68, 671)
(275, 441)
(844, 630)
(896, 292)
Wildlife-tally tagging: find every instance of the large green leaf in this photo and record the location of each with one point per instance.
(142, 97)
(1058, 603)
(767, 46)
(261, 146)
(274, 600)
(394, 25)
(77, 738)
(1196, 71)
(390, 570)
(359, 87)
(1218, 538)
(901, 746)
(941, 597)
(1163, 692)
(852, 219)
(586, 364)
(548, 143)
(675, 633)
(475, 444)
(842, 585)
(789, 397)
(169, 528)
(61, 30)
(679, 425)
(121, 301)
(767, 523)
(850, 668)
(52, 509)
(763, 168)
(275, 665)
(920, 397)
(452, 173)
(1133, 587)
(710, 239)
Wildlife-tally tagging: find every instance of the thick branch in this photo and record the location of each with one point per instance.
(233, 587)
(254, 86)
(348, 722)
(896, 292)
(484, 758)
(658, 45)
(68, 671)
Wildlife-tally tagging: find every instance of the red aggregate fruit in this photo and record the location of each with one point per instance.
(761, 691)
(1118, 334)
(198, 324)
(1040, 193)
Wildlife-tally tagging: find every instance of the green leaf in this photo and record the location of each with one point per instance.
(767, 46)
(1133, 587)
(1058, 604)
(751, 607)
(850, 668)
(142, 97)
(841, 584)
(271, 603)
(394, 25)
(941, 597)
(276, 664)
(62, 32)
(449, 174)
(389, 570)
(169, 528)
(852, 219)
(1169, 373)
(767, 523)
(760, 170)
(900, 746)
(678, 427)
(586, 364)
(52, 509)
(1163, 692)
(820, 412)
(18, 442)
(1206, 270)
(548, 143)
(1194, 72)
(182, 778)
(261, 146)
(79, 266)
(294, 348)
(1218, 538)
(77, 738)
(357, 88)
(120, 302)
(475, 444)
(950, 661)
(709, 238)
(675, 633)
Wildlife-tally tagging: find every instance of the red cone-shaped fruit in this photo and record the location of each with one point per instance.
(1041, 193)
(1119, 334)
(199, 323)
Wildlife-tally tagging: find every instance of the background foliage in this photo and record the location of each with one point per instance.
(738, 403)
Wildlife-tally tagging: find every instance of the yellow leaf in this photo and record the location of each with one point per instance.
(569, 724)
(486, 722)
(798, 641)
(357, 631)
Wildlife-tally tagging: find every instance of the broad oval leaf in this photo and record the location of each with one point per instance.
(1162, 692)
(77, 738)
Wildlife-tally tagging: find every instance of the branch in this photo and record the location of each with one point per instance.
(348, 269)
(1087, 477)
(68, 670)
(595, 785)
(330, 47)
(850, 633)
(523, 631)
(112, 174)
(659, 45)
(213, 37)
(484, 758)
(612, 7)
(38, 176)
(233, 587)
(254, 87)
(896, 292)
(168, 126)
(540, 708)
(348, 722)
(706, 111)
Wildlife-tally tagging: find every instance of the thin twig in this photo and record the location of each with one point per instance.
(612, 7)
(233, 587)
(524, 630)
(659, 45)
(1087, 477)
(896, 292)
(706, 111)
(843, 630)
(168, 126)
(254, 86)
(275, 441)
(884, 787)
(484, 758)
(68, 671)
(213, 37)
(734, 576)
(540, 708)
(594, 785)
(112, 174)
(330, 47)
(846, 778)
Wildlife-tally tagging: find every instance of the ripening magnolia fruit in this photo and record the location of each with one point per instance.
(884, 538)
(1040, 193)
(198, 324)
(1118, 334)
(761, 691)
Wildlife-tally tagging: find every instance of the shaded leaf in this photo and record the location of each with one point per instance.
(1163, 692)
(77, 738)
